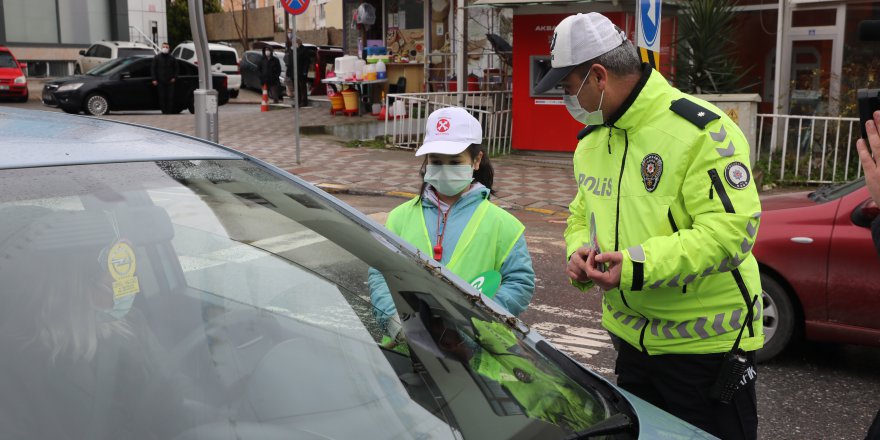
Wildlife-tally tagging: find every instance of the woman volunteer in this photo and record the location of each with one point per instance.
(453, 219)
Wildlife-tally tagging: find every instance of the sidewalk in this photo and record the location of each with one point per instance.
(541, 183)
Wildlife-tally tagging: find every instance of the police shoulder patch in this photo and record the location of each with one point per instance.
(693, 112)
(652, 169)
(737, 175)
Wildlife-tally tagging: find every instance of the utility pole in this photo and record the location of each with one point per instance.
(205, 97)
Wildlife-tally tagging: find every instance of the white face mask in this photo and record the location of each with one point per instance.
(449, 180)
(164, 50)
(578, 113)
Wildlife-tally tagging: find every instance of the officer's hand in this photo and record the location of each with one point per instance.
(610, 278)
(577, 265)
(173, 79)
(870, 165)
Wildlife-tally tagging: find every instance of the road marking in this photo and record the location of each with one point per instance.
(240, 254)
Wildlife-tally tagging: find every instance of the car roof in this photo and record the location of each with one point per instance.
(33, 138)
(211, 46)
(125, 44)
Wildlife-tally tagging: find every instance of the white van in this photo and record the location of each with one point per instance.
(103, 51)
(224, 59)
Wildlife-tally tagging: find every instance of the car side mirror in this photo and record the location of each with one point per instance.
(82, 52)
(865, 213)
(22, 65)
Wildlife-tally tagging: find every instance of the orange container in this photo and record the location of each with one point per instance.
(351, 100)
(336, 103)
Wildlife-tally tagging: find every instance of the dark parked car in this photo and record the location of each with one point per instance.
(157, 286)
(250, 68)
(819, 268)
(125, 84)
(319, 58)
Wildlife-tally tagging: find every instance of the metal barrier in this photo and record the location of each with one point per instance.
(406, 113)
(808, 149)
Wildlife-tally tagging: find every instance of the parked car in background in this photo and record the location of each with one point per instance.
(125, 84)
(250, 68)
(158, 286)
(321, 57)
(224, 59)
(819, 267)
(103, 51)
(13, 81)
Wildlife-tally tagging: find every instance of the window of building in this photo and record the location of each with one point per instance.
(33, 21)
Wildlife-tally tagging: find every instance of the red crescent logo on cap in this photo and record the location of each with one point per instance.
(443, 125)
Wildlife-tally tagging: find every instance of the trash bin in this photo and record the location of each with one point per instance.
(350, 97)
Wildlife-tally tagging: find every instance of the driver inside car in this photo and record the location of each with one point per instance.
(87, 364)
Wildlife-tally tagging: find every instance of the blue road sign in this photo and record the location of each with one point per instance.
(649, 21)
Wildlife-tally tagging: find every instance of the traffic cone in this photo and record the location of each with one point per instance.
(264, 106)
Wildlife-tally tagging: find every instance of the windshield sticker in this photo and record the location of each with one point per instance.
(122, 265)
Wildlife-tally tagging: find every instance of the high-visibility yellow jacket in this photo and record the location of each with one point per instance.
(666, 181)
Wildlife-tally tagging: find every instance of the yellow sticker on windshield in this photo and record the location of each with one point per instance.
(122, 264)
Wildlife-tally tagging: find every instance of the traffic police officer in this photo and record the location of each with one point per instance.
(664, 220)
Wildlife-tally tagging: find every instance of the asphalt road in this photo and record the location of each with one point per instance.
(812, 391)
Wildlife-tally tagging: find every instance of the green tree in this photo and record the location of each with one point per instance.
(704, 60)
(178, 18)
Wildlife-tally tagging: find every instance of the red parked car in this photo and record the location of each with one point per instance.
(13, 82)
(819, 269)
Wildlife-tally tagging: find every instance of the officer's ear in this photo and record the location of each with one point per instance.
(599, 75)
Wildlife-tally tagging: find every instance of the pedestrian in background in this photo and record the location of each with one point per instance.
(164, 73)
(663, 222)
(270, 74)
(288, 64)
(872, 171)
(453, 220)
(302, 69)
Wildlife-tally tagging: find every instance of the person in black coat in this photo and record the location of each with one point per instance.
(270, 73)
(872, 170)
(302, 60)
(164, 72)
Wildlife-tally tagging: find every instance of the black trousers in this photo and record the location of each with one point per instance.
(680, 384)
(303, 92)
(166, 97)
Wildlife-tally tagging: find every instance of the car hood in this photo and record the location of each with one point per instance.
(777, 202)
(76, 78)
(656, 423)
(10, 72)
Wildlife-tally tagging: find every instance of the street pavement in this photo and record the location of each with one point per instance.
(814, 391)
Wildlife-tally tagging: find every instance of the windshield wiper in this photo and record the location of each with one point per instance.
(616, 423)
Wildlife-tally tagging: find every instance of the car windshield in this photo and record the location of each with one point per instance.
(831, 192)
(132, 51)
(215, 299)
(111, 67)
(6, 60)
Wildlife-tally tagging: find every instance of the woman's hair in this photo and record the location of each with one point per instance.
(484, 175)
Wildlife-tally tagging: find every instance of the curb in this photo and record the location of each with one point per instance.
(334, 188)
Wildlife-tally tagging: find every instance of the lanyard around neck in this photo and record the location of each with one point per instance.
(438, 249)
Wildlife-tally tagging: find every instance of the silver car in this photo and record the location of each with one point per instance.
(158, 286)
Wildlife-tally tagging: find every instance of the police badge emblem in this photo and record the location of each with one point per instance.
(652, 169)
(737, 175)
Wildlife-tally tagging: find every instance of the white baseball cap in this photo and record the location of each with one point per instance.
(450, 130)
(576, 40)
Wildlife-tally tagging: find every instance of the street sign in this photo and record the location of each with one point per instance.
(648, 34)
(295, 7)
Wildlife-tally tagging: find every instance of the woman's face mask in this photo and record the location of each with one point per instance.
(449, 180)
(579, 113)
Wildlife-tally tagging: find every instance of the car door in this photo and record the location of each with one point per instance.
(101, 55)
(853, 265)
(250, 74)
(87, 59)
(122, 89)
(187, 82)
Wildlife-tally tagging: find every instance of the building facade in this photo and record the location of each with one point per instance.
(48, 34)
